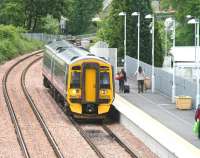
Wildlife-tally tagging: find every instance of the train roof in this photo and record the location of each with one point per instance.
(69, 53)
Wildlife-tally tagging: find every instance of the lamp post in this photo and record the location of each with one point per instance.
(166, 42)
(138, 25)
(124, 14)
(196, 22)
(195, 39)
(168, 22)
(149, 16)
(174, 63)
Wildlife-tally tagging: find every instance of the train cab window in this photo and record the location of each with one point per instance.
(104, 80)
(75, 80)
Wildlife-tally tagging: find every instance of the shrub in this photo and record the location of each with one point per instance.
(13, 43)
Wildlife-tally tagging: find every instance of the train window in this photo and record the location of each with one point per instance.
(59, 72)
(75, 80)
(104, 80)
(47, 61)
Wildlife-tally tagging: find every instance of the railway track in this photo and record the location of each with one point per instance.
(20, 137)
(111, 136)
(75, 123)
(37, 113)
(84, 135)
(99, 153)
(126, 148)
(12, 113)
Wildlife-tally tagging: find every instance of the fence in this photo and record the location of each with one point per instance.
(163, 80)
(47, 37)
(44, 37)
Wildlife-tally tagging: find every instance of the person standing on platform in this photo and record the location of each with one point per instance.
(197, 118)
(140, 79)
(123, 78)
(117, 77)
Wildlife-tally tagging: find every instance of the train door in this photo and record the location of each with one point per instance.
(90, 85)
(90, 76)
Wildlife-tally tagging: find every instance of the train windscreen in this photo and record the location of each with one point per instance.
(75, 81)
(104, 80)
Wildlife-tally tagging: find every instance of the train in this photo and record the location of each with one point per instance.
(81, 81)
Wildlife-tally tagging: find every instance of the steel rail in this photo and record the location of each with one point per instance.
(14, 120)
(126, 148)
(83, 134)
(38, 114)
(92, 145)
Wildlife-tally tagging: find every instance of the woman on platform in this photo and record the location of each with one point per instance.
(122, 80)
(140, 79)
(117, 77)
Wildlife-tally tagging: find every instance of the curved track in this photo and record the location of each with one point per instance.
(37, 113)
(20, 137)
(12, 113)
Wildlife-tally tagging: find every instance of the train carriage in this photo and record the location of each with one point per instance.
(82, 81)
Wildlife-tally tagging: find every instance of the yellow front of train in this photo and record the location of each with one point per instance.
(90, 90)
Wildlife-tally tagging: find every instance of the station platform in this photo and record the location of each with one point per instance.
(177, 123)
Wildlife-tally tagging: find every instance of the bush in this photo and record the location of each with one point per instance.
(13, 43)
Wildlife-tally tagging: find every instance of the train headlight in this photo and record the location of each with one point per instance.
(74, 91)
(104, 92)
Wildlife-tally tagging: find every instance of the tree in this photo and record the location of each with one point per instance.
(112, 30)
(12, 12)
(185, 32)
(50, 25)
(28, 13)
(37, 9)
(81, 13)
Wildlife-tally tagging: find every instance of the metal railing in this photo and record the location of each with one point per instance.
(163, 80)
(48, 37)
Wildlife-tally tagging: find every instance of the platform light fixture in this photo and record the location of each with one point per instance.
(138, 25)
(124, 14)
(173, 29)
(195, 21)
(150, 16)
(167, 23)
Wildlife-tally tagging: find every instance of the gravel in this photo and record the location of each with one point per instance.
(35, 139)
(138, 147)
(67, 137)
(9, 146)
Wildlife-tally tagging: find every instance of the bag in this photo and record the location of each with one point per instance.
(196, 127)
(117, 77)
(126, 89)
(121, 76)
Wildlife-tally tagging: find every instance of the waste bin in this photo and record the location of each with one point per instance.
(184, 102)
(147, 83)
